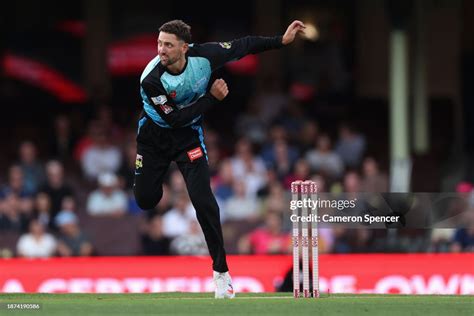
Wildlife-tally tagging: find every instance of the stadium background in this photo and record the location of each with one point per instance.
(69, 90)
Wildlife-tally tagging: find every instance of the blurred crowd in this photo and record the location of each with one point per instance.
(76, 199)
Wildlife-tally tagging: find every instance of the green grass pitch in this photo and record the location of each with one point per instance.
(243, 304)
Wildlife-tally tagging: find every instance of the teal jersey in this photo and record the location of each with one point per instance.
(177, 100)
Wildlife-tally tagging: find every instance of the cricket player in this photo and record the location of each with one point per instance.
(175, 94)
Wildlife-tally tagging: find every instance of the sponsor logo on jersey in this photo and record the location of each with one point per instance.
(166, 108)
(195, 153)
(226, 45)
(161, 99)
(139, 162)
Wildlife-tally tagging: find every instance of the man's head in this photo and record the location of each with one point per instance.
(55, 173)
(173, 41)
(108, 182)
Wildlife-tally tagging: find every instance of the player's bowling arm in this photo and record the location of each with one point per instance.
(223, 52)
(296, 27)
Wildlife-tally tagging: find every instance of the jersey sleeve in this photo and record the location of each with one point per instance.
(166, 108)
(223, 52)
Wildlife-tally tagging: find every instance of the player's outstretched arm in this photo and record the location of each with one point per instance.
(296, 27)
(223, 52)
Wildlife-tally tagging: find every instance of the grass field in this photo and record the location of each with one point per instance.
(244, 304)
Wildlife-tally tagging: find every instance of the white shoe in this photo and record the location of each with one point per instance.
(223, 284)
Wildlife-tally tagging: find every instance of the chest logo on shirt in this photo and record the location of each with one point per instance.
(195, 153)
(139, 162)
(226, 45)
(173, 94)
(161, 99)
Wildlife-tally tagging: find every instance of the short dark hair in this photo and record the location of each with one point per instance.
(178, 28)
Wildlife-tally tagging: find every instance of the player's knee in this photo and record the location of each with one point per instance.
(147, 200)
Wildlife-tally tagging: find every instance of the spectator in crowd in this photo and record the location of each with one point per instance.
(215, 152)
(191, 243)
(285, 157)
(350, 146)
(127, 169)
(213, 158)
(352, 182)
(108, 199)
(37, 243)
(105, 118)
(361, 240)
(292, 118)
(154, 242)
(276, 201)
(242, 205)
(465, 190)
(223, 182)
(308, 135)
(42, 210)
(352, 189)
(342, 242)
(33, 173)
(269, 239)
(68, 203)
(463, 240)
(177, 220)
(441, 239)
(13, 214)
(323, 160)
(212, 138)
(271, 100)
(373, 180)
(87, 140)
(16, 202)
(101, 156)
(277, 150)
(72, 241)
(352, 240)
(462, 203)
(55, 185)
(470, 197)
(270, 178)
(326, 234)
(250, 124)
(248, 167)
(16, 186)
(63, 139)
(320, 183)
(301, 171)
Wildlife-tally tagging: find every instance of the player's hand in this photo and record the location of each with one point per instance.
(219, 89)
(294, 28)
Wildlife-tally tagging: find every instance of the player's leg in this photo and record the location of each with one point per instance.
(192, 162)
(150, 168)
(197, 178)
(196, 175)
